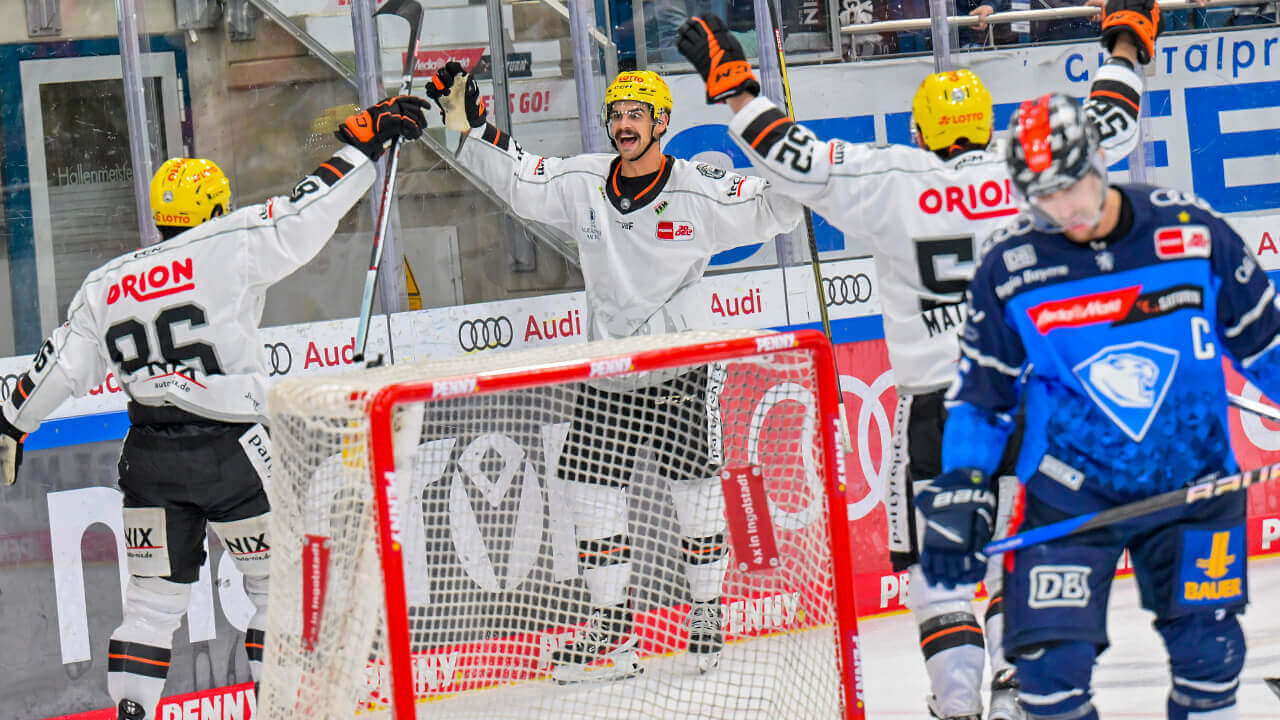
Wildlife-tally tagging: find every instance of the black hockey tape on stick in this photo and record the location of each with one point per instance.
(1274, 684)
(1204, 489)
(411, 11)
(846, 438)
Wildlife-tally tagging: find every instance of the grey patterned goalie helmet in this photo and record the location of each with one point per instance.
(1051, 146)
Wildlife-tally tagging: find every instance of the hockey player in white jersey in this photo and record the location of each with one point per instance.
(646, 226)
(921, 211)
(177, 323)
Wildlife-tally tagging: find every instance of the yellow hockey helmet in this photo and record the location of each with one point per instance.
(640, 86)
(949, 106)
(188, 191)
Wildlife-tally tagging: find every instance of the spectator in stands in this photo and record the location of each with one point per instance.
(919, 40)
(669, 15)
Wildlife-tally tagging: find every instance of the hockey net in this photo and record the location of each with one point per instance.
(424, 558)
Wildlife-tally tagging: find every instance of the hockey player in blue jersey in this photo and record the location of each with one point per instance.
(1105, 313)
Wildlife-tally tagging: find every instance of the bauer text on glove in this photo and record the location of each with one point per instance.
(959, 510)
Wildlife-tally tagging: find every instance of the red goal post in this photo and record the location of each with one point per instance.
(392, 403)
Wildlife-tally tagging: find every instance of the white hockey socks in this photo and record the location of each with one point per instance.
(951, 642)
(139, 651)
(700, 511)
(604, 546)
(246, 542)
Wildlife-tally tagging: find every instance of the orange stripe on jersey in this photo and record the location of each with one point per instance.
(1116, 95)
(767, 128)
(332, 169)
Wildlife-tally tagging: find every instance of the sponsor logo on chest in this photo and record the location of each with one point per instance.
(675, 230)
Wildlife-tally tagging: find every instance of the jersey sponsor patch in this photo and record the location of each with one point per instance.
(1211, 567)
(1082, 310)
(1158, 303)
(257, 447)
(710, 171)
(146, 541)
(158, 281)
(983, 201)
(675, 230)
(246, 540)
(1020, 257)
(1182, 241)
(1059, 586)
(1128, 382)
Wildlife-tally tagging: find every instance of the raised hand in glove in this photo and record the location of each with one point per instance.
(371, 129)
(706, 42)
(1140, 18)
(460, 111)
(959, 508)
(11, 439)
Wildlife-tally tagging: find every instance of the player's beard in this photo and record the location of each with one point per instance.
(1077, 216)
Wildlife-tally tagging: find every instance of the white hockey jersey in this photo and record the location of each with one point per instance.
(636, 252)
(178, 322)
(923, 218)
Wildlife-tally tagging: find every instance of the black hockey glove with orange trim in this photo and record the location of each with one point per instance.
(472, 108)
(371, 129)
(706, 42)
(1140, 18)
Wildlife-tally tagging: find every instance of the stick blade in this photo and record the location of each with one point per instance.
(1274, 684)
(410, 10)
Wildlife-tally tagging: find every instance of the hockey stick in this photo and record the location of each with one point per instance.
(1254, 407)
(846, 438)
(1203, 489)
(411, 11)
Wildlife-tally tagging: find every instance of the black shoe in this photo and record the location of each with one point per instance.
(130, 710)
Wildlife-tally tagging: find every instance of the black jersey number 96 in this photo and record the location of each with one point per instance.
(134, 330)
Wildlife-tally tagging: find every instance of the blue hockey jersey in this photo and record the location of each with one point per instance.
(1116, 351)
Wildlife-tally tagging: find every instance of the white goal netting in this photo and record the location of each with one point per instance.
(528, 490)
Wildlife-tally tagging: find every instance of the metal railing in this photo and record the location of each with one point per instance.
(890, 26)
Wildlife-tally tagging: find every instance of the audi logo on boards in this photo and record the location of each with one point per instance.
(279, 358)
(485, 333)
(8, 383)
(847, 289)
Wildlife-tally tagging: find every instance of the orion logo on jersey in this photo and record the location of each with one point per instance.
(974, 202)
(1128, 382)
(155, 282)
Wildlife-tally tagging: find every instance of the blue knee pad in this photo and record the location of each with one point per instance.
(1206, 655)
(1055, 680)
